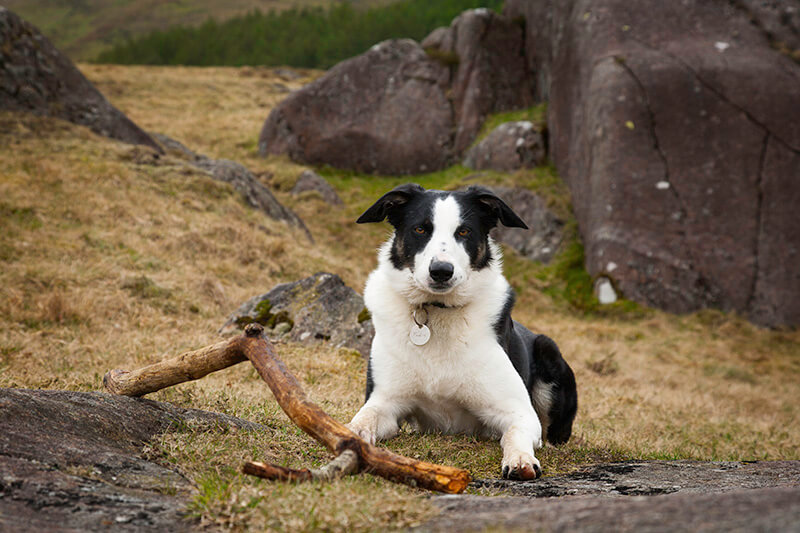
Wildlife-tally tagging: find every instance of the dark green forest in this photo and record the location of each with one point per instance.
(309, 37)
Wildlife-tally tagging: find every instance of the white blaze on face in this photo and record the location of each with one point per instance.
(443, 245)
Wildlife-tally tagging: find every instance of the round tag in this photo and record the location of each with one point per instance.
(419, 335)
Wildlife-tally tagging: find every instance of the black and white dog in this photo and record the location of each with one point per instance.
(446, 355)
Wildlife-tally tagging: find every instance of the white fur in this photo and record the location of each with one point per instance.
(461, 380)
(443, 246)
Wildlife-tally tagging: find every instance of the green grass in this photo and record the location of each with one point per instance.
(536, 114)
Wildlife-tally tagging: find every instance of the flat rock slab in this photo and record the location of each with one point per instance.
(637, 496)
(73, 461)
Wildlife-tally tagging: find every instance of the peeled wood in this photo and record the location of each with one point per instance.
(253, 345)
(185, 367)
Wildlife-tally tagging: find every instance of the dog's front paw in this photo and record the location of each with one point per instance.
(365, 433)
(521, 466)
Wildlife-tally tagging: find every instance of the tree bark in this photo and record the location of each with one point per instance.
(254, 345)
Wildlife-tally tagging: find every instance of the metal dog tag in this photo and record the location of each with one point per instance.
(419, 335)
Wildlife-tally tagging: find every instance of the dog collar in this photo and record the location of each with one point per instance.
(440, 305)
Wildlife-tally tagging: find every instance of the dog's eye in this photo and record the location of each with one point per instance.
(463, 232)
(420, 230)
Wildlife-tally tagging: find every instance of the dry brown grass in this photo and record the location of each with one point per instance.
(109, 262)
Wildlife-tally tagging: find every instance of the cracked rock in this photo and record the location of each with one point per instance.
(677, 130)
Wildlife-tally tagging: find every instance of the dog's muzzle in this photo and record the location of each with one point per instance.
(441, 274)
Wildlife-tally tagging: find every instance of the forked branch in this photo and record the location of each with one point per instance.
(254, 345)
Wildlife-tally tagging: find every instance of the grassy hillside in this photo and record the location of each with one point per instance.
(84, 28)
(109, 259)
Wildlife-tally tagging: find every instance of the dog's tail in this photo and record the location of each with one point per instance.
(551, 370)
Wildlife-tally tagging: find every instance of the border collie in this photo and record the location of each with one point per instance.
(446, 354)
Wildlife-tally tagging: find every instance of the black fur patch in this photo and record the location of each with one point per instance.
(409, 208)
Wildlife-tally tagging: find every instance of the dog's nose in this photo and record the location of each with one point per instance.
(441, 271)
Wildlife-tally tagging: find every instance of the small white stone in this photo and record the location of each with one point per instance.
(662, 185)
(721, 46)
(520, 141)
(611, 267)
(305, 335)
(605, 291)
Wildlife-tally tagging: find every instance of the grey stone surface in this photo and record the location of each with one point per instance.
(36, 78)
(318, 308)
(74, 461)
(677, 128)
(510, 146)
(542, 240)
(311, 181)
(636, 496)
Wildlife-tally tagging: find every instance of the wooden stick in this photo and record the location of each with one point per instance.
(185, 367)
(334, 435)
(253, 345)
(346, 463)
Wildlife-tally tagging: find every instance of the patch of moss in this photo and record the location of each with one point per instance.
(281, 317)
(448, 59)
(536, 114)
(263, 312)
(364, 315)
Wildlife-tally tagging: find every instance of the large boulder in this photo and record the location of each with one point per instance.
(402, 109)
(35, 77)
(75, 461)
(677, 128)
(382, 111)
(318, 308)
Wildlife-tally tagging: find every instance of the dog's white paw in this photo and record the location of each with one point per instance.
(365, 433)
(522, 466)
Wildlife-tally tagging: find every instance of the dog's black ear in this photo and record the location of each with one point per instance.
(395, 198)
(497, 207)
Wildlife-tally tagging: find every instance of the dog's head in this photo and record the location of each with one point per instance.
(440, 237)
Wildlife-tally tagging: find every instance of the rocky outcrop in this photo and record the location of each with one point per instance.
(311, 181)
(75, 461)
(488, 71)
(399, 109)
(677, 129)
(318, 308)
(382, 112)
(542, 239)
(510, 146)
(253, 191)
(637, 496)
(35, 77)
